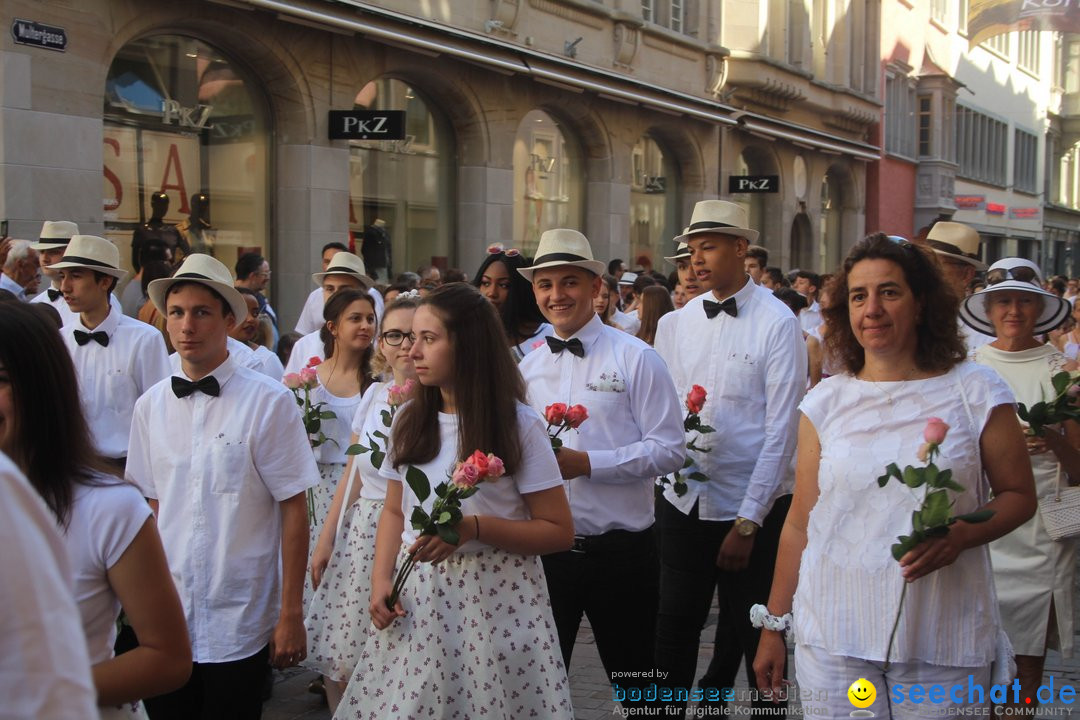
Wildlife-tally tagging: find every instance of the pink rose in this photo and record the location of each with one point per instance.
(935, 431)
(496, 469)
(480, 460)
(292, 381)
(695, 399)
(575, 415)
(314, 361)
(309, 378)
(555, 413)
(466, 475)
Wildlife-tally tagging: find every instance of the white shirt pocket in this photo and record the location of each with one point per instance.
(227, 464)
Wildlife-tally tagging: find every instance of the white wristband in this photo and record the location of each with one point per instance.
(761, 618)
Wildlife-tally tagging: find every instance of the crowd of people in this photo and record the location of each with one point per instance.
(421, 491)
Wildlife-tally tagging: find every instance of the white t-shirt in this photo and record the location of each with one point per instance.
(104, 520)
(311, 317)
(502, 498)
(44, 667)
(307, 347)
(338, 430)
(367, 421)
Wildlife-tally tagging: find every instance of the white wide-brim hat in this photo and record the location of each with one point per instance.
(628, 278)
(957, 241)
(681, 252)
(343, 263)
(93, 253)
(55, 234)
(562, 246)
(718, 217)
(205, 270)
(1055, 309)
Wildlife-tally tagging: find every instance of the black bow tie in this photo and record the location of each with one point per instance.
(712, 309)
(54, 295)
(573, 345)
(208, 386)
(100, 337)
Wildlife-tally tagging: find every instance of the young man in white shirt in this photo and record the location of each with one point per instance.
(745, 348)
(807, 284)
(633, 433)
(311, 319)
(116, 358)
(50, 247)
(221, 452)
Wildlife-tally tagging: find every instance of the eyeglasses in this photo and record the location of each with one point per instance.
(496, 248)
(393, 338)
(1021, 273)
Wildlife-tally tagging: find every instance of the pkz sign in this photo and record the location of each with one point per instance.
(753, 183)
(28, 32)
(367, 124)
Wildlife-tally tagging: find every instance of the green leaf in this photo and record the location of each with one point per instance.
(299, 402)
(443, 518)
(377, 458)
(699, 477)
(386, 418)
(448, 534)
(946, 482)
(1022, 411)
(381, 435)
(440, 490)
(691, 446)
(894, 471)
(913, 477)
(883, 480)
(917, 521)
(356, 449)
(418, 482)
(692, 423)
(328, 415)
(556, 444)
(687, 462)
(680, 489)
(419, 519)
(931, 473)
(706, 429)
(1061, 382)
(975, 517)
(936, 509)
(312, 426)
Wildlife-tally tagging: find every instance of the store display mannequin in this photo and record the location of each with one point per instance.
(376, 250)
(156, 230)
(197, 230)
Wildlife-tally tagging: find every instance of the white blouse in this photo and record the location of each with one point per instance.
(338, 430)
(849, 584)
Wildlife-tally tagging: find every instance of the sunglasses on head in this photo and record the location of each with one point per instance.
(497, 248)
(1021, 273)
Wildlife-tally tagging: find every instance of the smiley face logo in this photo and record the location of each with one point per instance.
(862, 693)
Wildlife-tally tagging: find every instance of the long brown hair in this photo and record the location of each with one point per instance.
(335, 307)
(51, 441)
(486, 384)
(939, 346)
(655, 303)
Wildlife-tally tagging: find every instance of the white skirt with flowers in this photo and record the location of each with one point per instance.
(319, 499)
(337, 619)
(477, 640)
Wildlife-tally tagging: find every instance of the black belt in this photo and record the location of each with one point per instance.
(611, 541)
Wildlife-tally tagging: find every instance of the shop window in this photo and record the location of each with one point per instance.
(547, 180)
(185, 146)
(652, 205)
(400, 191)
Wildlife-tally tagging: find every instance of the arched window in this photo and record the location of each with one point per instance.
(186, 136)
(547, 181)
(653, 205)
(400, 191)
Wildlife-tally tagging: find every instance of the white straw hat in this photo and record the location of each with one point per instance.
(205, 270)
(956, 240)
(681, 252)
(973, 309)
(55, 235)
(563, 247)
(718, 217)
(93, 253)
(343, 263)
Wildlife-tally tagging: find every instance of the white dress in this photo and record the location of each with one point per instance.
(478, 639)
(1032, 570)
(337, 619)
(849, 584)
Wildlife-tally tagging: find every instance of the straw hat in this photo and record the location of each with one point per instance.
(1001, 276)
(956, 240)
(204, 270)
(681, 252)
(563, 247)
(55, 235)
(718, 217)
(343, 263)
(93, 253)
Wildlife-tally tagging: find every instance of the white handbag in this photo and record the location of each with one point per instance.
(1061, 512)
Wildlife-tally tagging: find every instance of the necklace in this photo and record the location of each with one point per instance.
(877, 383)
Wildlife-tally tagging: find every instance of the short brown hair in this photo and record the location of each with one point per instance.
(939, 346)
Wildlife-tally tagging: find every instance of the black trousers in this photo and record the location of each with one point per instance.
(216, 691)
(688, 579)
(613, 580)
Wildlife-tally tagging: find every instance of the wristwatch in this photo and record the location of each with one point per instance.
(744, 527)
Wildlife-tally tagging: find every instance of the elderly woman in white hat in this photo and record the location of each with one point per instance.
(1034, 574)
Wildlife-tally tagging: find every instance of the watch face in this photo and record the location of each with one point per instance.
(746, 529)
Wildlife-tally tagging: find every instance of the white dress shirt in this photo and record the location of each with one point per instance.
(634, 431)
(626, 322)
(219, 467)
(244, 357)
(44, 666)
(753, 368)
(112, 378)
(810, 317)
(307, 347)
(6, 283)
(311, 317)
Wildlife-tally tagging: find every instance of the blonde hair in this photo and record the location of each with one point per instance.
(380, 367)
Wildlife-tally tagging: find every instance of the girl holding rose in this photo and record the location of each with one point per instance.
(472, 632)
(893, 328)
(341, 562)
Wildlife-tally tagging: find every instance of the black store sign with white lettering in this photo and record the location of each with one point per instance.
(27, 32)
(367, 124)
(753, 183)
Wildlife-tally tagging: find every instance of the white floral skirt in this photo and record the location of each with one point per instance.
(337, 618)
(477, 640)
(127, 711)
(319, 499)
